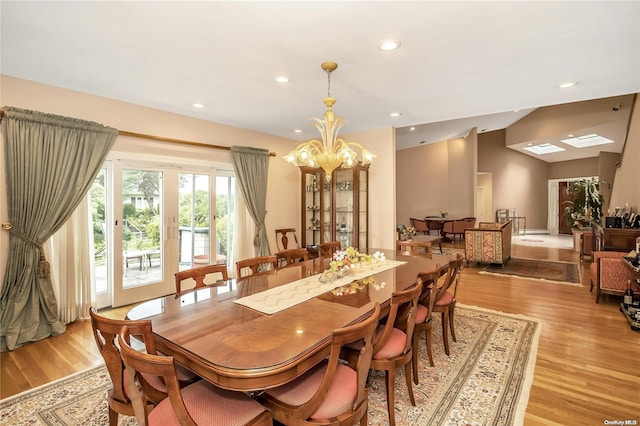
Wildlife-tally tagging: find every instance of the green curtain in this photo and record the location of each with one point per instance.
(51, 162)
(252, 168)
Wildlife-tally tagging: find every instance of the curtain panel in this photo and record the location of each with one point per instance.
(252, 169)
(51, 162)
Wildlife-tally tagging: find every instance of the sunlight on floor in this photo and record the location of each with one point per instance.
(544, 240)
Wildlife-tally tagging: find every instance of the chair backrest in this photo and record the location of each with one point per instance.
(428, 296)
(139, 366)
(290, 256)
(414, 248)
(402, 315)
(282, 238)
(452, 277)
(199, 274)
(363, 333)
(459, 226)
(105, 333)
(326, 250)
(256, 265)
(420, 225)
(470, 222)
(434, 224)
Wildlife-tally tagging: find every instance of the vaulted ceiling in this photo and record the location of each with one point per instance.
(476, 62)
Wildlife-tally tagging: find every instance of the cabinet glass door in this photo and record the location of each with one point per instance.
(312, 208)
(363, 207)
(344, 208)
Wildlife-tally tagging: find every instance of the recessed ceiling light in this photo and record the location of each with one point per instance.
(587, 141)
(516, 110)
(282, 79)
(298, 131)
(567, 84)
(197, 105)
(389, 45)
(395, 114)
(545, 148)
(411, 129)
(570, 135)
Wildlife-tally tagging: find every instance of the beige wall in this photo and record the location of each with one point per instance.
(382, 186)
(436, 176)
(519, 181)
(626, 186)
(574, 168)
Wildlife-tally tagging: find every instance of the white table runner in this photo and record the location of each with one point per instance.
(285, 296)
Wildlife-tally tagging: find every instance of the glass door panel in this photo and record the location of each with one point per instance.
(100, 217)
(344, 206)
(363, 208)
(194, 237)
(225, 217)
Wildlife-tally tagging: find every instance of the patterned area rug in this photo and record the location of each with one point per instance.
(485, 380)
(545, 270)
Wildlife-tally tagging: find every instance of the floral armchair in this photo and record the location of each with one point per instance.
(609, 274)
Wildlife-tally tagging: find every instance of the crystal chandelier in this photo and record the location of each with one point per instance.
(332, 152)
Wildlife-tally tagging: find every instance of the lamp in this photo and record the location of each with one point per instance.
(332, 152)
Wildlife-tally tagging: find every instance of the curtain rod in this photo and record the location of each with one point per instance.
(163, 139)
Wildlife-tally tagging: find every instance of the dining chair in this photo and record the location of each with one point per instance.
(282, 238)
(424, 316)
(445, 302)
(290, 256)
(331, 393)
(200, 403)
(256, 265)
(420, 225)
(105, 333)
(414, 248)
(326, 250)
(199, 275)
(393, 344)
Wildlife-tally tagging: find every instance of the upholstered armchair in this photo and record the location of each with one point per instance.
(489, 243)
(609, 274)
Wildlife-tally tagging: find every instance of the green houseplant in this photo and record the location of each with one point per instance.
(585, 207)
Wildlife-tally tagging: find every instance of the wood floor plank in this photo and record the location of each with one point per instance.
(587, 363)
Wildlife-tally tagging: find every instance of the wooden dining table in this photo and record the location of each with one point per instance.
(239, 348)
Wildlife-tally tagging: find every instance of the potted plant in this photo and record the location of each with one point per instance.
(585, 207)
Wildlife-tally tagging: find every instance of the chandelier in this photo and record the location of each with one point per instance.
(332, 152)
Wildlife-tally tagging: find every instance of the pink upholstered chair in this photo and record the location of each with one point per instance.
(424, 316)
(446, 300)
(393, 346)
(331, 393)
(105, 333)
(200, 403)
(609, 274)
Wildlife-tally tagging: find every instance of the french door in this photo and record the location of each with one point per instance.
(150, 222)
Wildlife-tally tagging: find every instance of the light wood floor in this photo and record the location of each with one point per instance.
(587, 370)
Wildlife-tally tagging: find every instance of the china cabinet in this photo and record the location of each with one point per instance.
(335, 210)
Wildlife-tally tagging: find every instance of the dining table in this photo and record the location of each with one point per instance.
(216, 333)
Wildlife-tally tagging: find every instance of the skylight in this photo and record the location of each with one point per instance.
(587, 141)
(545, 148)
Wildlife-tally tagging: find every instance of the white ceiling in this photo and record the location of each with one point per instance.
(457, 60)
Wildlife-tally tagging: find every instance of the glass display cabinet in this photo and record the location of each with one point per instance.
(335, 210)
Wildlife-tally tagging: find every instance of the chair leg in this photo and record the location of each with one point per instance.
(407, 375)
(428, 341)
(391, 378)
(414, 358)
(591, 286)
(451, 322)
(445, 330)
(113, 417)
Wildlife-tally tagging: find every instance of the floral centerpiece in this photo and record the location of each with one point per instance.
(409, 232)
(343, 260)
(443, 213)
